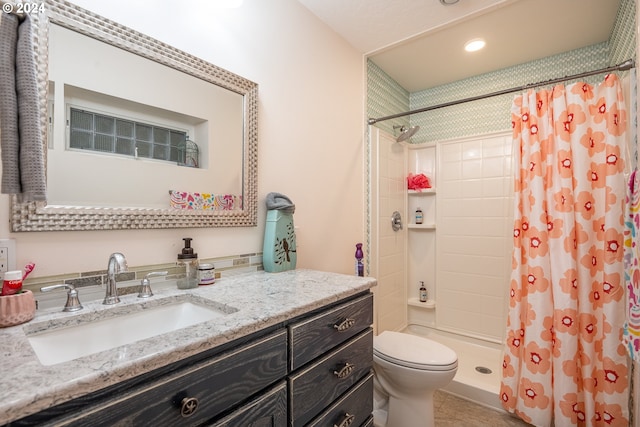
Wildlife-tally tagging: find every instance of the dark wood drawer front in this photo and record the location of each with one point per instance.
(353, 409)
(268, 410)
(321, 333)
(316, 386)
(218, 385)
(368, 423)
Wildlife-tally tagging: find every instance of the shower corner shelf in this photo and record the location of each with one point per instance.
(426, 191)
(415, 302)
(422, 226)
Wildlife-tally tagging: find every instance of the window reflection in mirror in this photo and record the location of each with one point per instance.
(85, 73)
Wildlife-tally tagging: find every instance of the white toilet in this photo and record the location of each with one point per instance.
(408, 370)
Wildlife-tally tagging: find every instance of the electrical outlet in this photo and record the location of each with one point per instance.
(4, 260)
(7, 255)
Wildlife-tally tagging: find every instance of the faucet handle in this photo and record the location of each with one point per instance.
(73, 302)
(145, 284)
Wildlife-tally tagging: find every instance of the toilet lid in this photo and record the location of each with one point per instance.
(414, 352)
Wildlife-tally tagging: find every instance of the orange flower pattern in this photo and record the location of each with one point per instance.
(562, 362)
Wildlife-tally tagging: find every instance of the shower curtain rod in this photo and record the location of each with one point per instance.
(626, 65)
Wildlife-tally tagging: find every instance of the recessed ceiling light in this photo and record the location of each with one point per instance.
(448, 2)
(474, 44)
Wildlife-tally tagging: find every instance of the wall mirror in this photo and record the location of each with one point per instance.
(150, 103)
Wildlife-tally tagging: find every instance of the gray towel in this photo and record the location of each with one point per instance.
(9, 136)
(32, 170)
(23, 171)
(280, 202)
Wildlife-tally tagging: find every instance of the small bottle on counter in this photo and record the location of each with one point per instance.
(419, 216)
(12, 283)
(359, 258)
(206, 274)
(188, 260)
(423, 292)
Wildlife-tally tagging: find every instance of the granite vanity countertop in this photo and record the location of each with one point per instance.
(261, 299)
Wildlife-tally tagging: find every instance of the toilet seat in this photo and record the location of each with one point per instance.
(414, 352)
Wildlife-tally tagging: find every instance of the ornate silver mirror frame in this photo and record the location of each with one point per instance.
(38, 216)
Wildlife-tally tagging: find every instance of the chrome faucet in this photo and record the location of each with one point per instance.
(117, 264)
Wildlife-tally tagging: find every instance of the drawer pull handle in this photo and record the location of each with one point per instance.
(344, 325)
(347, 421)
(189, 406)
(346, 370)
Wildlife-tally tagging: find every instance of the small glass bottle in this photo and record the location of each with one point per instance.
(359, 258)
(423, 292)
(188, 260)
(419, 216)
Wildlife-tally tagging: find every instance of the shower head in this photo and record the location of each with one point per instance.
(406, 133)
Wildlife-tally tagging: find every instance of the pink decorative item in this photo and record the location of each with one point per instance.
(28, 269)
(17, 308)
(418, 182)
(204, 201)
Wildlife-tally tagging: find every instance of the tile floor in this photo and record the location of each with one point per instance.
(452, 411)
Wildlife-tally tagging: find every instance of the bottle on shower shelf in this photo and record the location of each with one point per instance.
(419, 216)
(423, 292)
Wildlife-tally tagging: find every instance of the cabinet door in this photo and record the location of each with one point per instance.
(319, 334)
(196, 395)
(268, 410)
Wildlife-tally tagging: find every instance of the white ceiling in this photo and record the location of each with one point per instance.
(419, 43)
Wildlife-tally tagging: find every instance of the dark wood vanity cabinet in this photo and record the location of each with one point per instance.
(315, 370)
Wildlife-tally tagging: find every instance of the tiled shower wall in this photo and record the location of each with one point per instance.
(492, 114)
(622, 42)
(388, 163)
(474, 235)
(385, 97)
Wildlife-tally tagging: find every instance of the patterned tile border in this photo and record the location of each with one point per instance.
(225, 266)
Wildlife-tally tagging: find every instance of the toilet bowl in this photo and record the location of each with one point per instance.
(408, 370)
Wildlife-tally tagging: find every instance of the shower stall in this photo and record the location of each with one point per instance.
(461, 250)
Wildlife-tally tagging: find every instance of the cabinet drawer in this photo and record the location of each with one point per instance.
(218, 384)
(316, 386)
(319, 334)
(368, 423)
(268, 410)
(352, 409)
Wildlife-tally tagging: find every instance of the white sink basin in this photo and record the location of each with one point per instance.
(69, 343)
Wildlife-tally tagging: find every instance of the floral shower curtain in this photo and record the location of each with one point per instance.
(564, 362)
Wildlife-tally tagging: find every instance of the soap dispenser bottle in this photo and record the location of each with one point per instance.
(187, 266)
(419, 216)
(423, 292)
